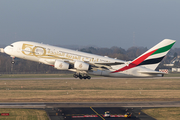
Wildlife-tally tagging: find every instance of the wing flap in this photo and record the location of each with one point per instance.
(109, 63)
(103, 65)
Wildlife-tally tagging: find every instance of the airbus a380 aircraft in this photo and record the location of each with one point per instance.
(84, 64)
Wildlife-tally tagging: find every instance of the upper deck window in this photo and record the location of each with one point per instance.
(12, 45)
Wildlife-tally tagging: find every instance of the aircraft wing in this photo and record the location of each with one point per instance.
(109, 63)
(101, 65)
(47, 61)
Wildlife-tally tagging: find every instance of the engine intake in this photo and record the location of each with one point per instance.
(61, 65)
(81, 66)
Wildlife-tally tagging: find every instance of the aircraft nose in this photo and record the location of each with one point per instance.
(7, 49)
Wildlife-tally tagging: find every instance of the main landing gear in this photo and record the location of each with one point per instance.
(84, 76)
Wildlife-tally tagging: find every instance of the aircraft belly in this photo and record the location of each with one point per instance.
(119, 75)
(95, 72)
(108, 73)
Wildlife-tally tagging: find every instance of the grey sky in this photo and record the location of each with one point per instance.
(104, 23)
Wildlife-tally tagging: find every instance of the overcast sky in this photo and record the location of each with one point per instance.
(103, 23)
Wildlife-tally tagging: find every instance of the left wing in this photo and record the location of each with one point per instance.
(102, 65)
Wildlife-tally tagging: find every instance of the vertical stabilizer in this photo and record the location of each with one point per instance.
(152, 58)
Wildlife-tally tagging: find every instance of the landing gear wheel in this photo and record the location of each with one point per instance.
(76, 76)
(84, 76)
(80, 77)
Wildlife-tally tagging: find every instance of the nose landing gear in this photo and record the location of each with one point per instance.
(84, 76)
(13, 60)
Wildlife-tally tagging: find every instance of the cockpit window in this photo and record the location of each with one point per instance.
(11, 45)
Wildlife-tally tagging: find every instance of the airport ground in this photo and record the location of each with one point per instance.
(99, 89)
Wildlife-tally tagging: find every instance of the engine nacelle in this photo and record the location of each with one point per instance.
(81, 65)
(61, 65)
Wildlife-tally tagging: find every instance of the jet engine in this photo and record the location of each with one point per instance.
(81, 65)
(61, 65)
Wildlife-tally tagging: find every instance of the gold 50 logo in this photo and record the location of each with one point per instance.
(31, 50)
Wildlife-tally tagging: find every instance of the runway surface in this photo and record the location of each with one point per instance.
(93, 111)
(97, 113)
(90, 104)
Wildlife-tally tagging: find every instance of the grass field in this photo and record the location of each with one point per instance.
(34, 75)
(163, 113)
(102, 90)
(24, 114)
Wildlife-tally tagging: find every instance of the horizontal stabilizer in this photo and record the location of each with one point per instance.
(152, 72)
